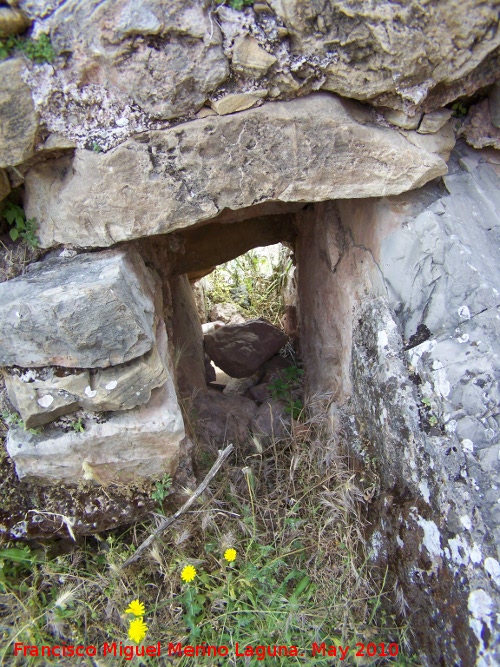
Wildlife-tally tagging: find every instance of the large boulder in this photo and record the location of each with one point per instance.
(306, 150)
(241, 349)
(89, 311)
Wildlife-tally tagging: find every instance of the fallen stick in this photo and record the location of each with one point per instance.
(170, 520)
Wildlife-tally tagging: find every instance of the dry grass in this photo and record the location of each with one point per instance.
(15, 258)
(293, 512)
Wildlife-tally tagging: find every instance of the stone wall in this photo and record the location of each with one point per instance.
(167, 137)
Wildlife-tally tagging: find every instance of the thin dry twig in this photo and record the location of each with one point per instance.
(170, 520)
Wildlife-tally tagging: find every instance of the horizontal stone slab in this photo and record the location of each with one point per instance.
(310, 149)
(122, 387)
(93, 310)
(139, 443)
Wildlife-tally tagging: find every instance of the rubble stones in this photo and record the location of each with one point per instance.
(235, 102)
(250, 58)
(432, 122)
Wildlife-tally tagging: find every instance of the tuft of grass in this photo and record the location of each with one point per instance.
(287, 387)
(293, 514)
(10, 418)
(236, 4)
(15, 259)
(38, 50)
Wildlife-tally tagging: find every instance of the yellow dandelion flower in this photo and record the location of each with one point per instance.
(230, 555)
(136, 608)
(188, 573)
(137, 630)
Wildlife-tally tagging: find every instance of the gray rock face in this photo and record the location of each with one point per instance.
(442, 274)
(166, 56)
(241, 349)
(94, 310)
(126, 447)
(17, 111)
(448, 287)
(404, 333)
(306, 150)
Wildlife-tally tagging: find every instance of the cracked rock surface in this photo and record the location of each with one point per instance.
(89, 311)
(312, 149)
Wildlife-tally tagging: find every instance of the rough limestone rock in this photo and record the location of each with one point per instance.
(12, 21)
(36, 9)
(250, 58)
(42, 401)
(478, 128)
(126, 447)
(241, 349)
(93, 310)
(17, 111)
(306, 150)
(166, 56)
(440, 142)
(402, 120)
(115, 388)
(432, 122)
(494, 101)
(400, 51)
(235, 102)
(412, 354)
